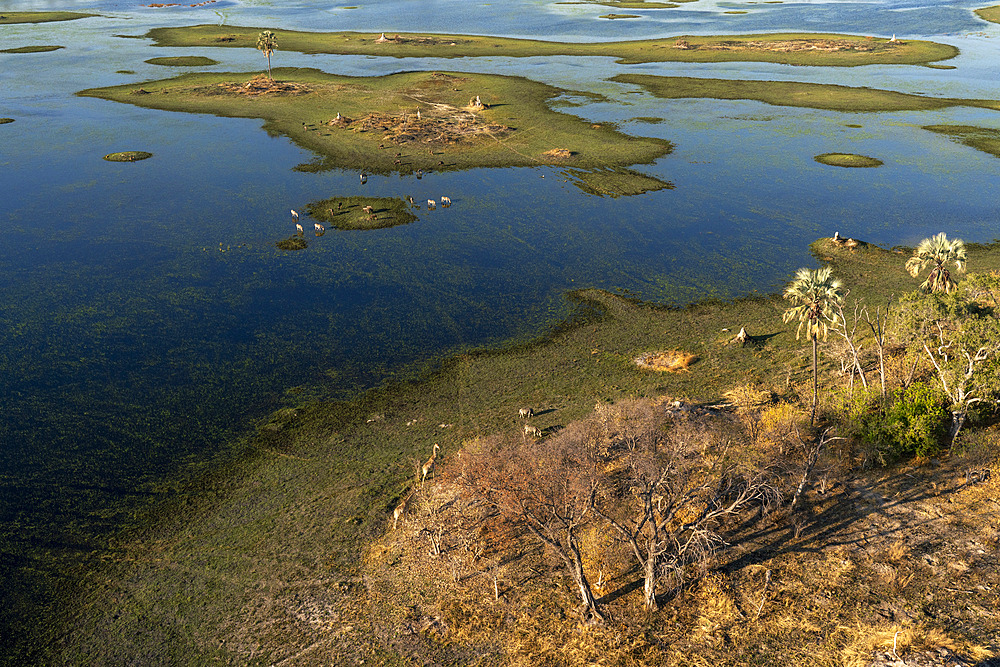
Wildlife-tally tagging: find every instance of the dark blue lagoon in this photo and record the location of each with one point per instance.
(147, 318)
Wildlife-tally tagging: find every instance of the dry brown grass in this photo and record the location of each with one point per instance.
(673, 361)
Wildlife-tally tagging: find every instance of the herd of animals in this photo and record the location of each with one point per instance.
(369, 211)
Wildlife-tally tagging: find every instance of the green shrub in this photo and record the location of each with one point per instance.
(912, 422)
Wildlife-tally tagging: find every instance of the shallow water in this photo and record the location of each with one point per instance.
(147, 317)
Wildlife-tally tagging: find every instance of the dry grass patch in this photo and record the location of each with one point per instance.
(672, 361)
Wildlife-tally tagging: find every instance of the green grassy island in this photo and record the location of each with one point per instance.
(33, 49)
(795, 94)
(791, 49)
(403, 122)
(319, 539)
(848, 160)
(128, 156)
(362, 212)
(183, 61)
(40, 17)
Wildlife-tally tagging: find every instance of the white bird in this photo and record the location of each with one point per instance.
(431, 203)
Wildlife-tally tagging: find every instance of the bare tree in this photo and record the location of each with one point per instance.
(671, 500)
(544, 487)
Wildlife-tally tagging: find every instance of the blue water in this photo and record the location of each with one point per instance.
(146, 317)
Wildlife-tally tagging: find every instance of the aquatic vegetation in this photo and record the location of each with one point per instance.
(183, 61)
(362, 212)
(404, 122)
(848, 160)
(292, 243)
(615, 182)
(792, 49)
(128, 156)
(4, 121)
(619, 16)
(985, 139)
(795, 94)
(32, 49)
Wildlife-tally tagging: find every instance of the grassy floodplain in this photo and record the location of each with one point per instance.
(985, 139)
(379, 128)
(991, 14)
(264, 559)
(790, 49)
(40, 17)
(795, 94)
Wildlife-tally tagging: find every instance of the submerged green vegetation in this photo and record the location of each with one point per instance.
(291, 543)
(362, 212)
(40, 17)
(792, 49)
(795, 94)
(848, 160)
(402, 122)
(32, 49)
(183, 61)
(985, 139)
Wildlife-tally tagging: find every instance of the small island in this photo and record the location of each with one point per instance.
(362, 212)
(984, 139)
(33, 49)
(183, 61)
(848, 160)
(7, 18)
(128, 156)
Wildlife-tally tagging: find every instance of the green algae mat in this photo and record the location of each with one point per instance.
(791, 49)
(795, 94)
(402, 122)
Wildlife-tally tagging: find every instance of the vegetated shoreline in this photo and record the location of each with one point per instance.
(284, 522)
(813, 49)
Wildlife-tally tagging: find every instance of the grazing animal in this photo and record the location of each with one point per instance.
(330, 210)
(428, 468)
(368, 209)
(420, 173)
(533, 431)
(409, 199)
(445, 201)
(340, 205)
(431, 203)
(298, 228)
(364, 178)
(295, 215)
(524, 413)
(319, 227)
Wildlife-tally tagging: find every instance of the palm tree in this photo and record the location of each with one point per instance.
(937, 251)
(267, 42)
(814, 293)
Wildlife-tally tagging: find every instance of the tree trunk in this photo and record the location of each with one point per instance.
(957, 420)
(589, 603)
(812, 417)
(649, 584)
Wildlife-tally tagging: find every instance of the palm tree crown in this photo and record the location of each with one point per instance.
(814, 293)
(937, 251)
(267, 42)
